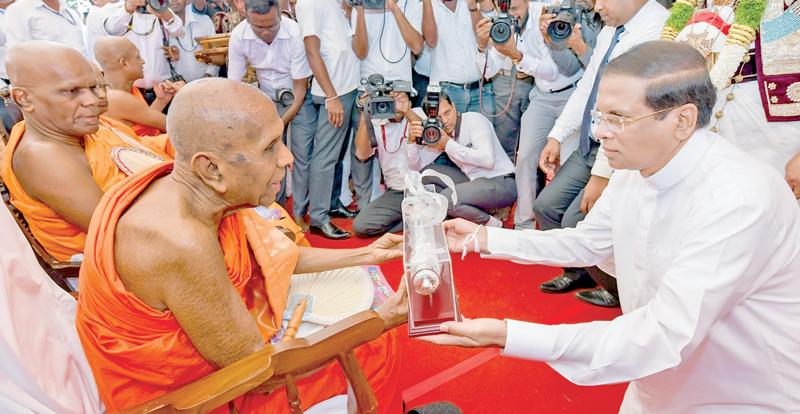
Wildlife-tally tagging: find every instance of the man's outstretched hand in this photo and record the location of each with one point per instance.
(458, 230)
(387, 247)
(471, 333)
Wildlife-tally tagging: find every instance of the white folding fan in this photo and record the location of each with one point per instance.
(132, 160)
(332, 296)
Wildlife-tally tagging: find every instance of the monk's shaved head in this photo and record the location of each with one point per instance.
(102, 88)
(108, 51)
(55, 88)
(213, 115)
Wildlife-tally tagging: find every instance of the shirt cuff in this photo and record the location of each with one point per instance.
(559, 134)
(501, 241)
(601, 167)
(530, 340)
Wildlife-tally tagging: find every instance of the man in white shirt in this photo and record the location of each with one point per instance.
(580, 180)
(273, 45)
(482, 172)
(389, 139)
(334, 49)
(448, 28)
(3, 6)
(99, 11)
(705, 240)
(194, 25)
(49, 20)
(149, 32)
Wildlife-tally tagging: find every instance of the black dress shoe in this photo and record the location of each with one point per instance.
(343, 212)
(329, 231)
(563, 284)
(599, 297)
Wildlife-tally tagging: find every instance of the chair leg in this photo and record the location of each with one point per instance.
(367, 403)
(292, 395)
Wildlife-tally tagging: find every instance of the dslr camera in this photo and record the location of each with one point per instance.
(502, 23)
(431, 127)
(380, 105)
(284, 96)
(567, 14)
(368, 4)
(160, 6)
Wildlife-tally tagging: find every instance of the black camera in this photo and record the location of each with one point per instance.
(284, 96)
(432, 126)
(380, 105)
(567, 14)
(368, 4)
(503, 23)
(159, 6)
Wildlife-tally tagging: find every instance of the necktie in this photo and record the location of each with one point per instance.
(585, 141)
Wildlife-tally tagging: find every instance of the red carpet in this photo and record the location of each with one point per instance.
(479, 380)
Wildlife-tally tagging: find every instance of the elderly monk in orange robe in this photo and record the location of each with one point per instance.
(180, 279)
(123, 65)
(62, 130)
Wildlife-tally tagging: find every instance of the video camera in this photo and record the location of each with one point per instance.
(380, 105)
(368, 4)
(560, 29)
(502, 23)
(159, 6)
(431, 127)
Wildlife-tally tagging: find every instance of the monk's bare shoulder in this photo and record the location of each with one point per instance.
(156, 249)
(32, 154)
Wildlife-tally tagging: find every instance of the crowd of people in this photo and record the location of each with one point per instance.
(564, 135)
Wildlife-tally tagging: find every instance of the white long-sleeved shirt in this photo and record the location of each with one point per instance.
(477, 151)
(453, 58)
(34, 20)
(188, 66)
(707, 254)
(147, 34)
(94, 25)
(276, 64)
(644, 26)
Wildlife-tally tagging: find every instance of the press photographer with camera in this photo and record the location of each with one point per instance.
(575, 26)
(482, 172)
(183, 47)
(273, 45)
(51, 20)
(448, 27)
(384, 130)
(149, 24)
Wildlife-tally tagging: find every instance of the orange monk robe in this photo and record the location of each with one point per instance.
(143, 130)
(138, 353)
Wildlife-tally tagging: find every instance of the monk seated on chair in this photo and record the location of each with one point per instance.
(56, 164)
(179, 277)
(123, 65)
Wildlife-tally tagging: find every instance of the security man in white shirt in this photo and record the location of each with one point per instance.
(51, 20)
(273, 45)
(706, 241)
(482, 172)
(150, 31)
(184, 46)
(388, 138)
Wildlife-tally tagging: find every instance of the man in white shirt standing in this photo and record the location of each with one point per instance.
(482, 172)
(149, 32)
(194, 25)
(706, 242)
(98, 13)
(3, 6)
(334, 49)
(49, 20)
(580, 180)
(273, 45)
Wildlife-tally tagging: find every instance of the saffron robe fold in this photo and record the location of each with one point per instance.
(143, 130)
(138, 353)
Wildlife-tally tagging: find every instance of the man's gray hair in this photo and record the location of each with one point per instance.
(260, 6)
(677, 75)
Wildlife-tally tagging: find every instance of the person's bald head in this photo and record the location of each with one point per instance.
(119, 57)
(60, 98)
(102, 88)
(228, 134)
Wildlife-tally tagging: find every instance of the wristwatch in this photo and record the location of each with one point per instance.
(475, 9)
(516, 61)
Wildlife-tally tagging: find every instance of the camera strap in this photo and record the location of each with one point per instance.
(373, 140)
(174, 75)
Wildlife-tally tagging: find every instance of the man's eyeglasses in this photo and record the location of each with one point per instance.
(616, 123)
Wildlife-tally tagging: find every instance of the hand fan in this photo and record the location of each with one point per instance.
(332, 295)
(132, 160)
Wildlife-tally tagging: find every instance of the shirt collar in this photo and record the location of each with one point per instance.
(682, 164)
(61, 5)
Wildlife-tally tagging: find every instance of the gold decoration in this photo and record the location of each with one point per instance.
(719, 114)
(793, 92)
(746, 58)
(668, 33)
(703, 44)
(730, 97)
(690, 3)
(741, 35)
(723, 3)
(714, 129)
(738, 78)
(250, 75)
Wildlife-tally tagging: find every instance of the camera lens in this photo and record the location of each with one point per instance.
(431, 135)
(500, 32)
(382, 107)
(286, 98)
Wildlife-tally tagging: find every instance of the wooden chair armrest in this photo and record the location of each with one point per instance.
(268, 367)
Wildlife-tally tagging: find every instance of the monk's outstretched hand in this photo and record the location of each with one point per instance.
(471, 333)
(387, 247)
(395, 310)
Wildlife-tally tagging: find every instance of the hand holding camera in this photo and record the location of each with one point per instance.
(503, 25)
(380, 104)
(566, 16)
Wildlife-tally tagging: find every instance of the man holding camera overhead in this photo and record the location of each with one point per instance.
(183, 47)
(272, 44)
(483, 174)
(148, 24)
(49, 20)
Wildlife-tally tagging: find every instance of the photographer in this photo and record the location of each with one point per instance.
(483, 173)
(272, 44)
(548, 98)
(149, 30)
(183, 47)
(389, 139)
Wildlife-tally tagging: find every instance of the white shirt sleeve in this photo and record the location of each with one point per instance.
(175, 29)
(536, 59)
(300, 67)
(414, 14)
(237, 61)
(711, 273)
(601, 167)
(481, 153)
(117, 23)
(306, 11)
(495, 62)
